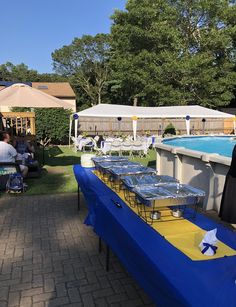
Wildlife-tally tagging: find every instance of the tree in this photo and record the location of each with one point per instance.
(22, 73)
(18, 73)
(85, 62)
(169, 52)
(52, 125)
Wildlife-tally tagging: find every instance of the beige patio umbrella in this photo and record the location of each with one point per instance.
(22, 95)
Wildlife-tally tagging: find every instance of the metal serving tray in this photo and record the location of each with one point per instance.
(119, 172)
(104, 167)
(147, 195)
(109, 164)
(181, 194)
(182, 190)
(132, 181)
(109, 159)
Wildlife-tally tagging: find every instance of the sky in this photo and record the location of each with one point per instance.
(31, 30)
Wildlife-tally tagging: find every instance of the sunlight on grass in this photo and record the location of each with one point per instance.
(57, 174)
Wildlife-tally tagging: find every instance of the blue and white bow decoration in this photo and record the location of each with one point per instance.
(208, 245)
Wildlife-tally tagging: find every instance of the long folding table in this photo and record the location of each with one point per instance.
(168, 275)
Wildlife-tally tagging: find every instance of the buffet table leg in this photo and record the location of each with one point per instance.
(78, 201)
(100, 245)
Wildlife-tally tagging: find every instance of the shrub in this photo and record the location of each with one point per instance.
(170, 129)
(52, 125)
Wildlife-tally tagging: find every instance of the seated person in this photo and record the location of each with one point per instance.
(8, 152)
(23, 148)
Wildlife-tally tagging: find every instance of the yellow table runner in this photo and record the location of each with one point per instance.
(181, 233)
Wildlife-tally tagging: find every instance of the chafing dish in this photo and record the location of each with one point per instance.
(132, 181)
(104, 167)
(147, 199)
(148, 195)
(178, 193)
(165, 196)
(187, 193)
(109, 159)
(119, 172)
(116, 173)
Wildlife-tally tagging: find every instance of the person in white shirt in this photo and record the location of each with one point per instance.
(8, 152)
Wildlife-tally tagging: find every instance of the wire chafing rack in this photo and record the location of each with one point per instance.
(103, 163)
(166, 202)
(117, 173)
(104, 167)
(131, 182)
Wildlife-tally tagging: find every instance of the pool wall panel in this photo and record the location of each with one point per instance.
(201, 170)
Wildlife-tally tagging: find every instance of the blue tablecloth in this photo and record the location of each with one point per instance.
(166, 274)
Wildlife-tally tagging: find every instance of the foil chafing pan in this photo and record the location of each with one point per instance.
(109, 164)
(147, 195)
(132, 181)
(179, 193)
(109, 159)
(182, 190)
(118, 172)
(104, 167)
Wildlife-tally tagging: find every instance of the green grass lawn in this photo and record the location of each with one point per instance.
(57, 174)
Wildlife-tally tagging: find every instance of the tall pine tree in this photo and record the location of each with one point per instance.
(175, 52)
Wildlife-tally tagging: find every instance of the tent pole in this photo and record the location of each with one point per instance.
(76, 128)
(70, 131)
(188, 126)
(135, 129)
(76, 132)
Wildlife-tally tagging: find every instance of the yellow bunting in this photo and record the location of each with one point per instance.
(134, 117)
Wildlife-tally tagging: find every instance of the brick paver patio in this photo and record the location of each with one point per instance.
(48, 257)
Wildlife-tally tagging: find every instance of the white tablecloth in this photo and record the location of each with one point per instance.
(107, 147)
(83, 142)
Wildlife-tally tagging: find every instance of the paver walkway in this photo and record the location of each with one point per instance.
(48, 257)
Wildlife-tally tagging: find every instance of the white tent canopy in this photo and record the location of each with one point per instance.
(112, 110)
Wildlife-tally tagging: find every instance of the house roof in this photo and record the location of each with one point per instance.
(56, 89)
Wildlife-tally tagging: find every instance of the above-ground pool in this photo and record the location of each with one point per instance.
(222, 145)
